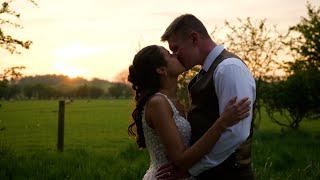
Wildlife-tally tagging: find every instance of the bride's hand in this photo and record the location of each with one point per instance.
(234, 112)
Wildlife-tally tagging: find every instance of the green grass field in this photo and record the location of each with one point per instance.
(97, 145)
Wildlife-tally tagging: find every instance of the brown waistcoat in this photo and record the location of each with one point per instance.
(204, 111)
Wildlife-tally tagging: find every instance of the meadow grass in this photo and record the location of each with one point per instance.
(97, 145)
(95, 124)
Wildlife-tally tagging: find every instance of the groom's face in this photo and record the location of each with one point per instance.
(185, 50)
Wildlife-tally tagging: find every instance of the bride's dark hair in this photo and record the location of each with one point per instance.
(145, 82)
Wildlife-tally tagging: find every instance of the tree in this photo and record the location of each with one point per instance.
(297, 98)
(42, 91)
(8, 17)
(12, 74)
(122, 77)
(121, 86)
(83, 91)
(28, 91)
(8, 82)
(87, 91)
(3, 88)
(95, 92)
(305, 41)
(259, 46)
(117, 90)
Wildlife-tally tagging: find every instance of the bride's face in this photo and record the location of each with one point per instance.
(174, 66)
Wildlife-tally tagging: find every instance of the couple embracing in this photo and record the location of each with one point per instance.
(212, 139)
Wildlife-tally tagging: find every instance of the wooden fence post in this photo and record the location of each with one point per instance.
(60, 143)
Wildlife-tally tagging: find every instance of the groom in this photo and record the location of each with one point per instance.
(223, 76)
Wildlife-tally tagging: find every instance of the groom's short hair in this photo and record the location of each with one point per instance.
(183, 25)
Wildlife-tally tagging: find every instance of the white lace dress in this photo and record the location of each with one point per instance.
(155, 148)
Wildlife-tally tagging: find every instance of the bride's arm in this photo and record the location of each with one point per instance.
(159, 115)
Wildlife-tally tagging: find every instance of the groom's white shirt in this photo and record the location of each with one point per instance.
(231, 78)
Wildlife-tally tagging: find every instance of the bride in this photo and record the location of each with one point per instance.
(160, 123)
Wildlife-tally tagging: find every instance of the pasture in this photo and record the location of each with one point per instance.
(97, 145)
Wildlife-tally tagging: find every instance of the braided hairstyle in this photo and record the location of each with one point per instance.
(145, 82)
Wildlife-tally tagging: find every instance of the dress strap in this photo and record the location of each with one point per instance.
(173, 107)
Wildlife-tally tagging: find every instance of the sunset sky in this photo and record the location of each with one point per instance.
(98, 38)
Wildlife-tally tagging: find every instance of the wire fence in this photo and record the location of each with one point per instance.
(95, 124)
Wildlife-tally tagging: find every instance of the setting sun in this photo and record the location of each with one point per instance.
(75, 51)
(69, 70)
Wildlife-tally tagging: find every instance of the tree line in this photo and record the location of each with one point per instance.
(13, 86)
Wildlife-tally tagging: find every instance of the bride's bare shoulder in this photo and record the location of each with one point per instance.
(157, 101)
(157, 107)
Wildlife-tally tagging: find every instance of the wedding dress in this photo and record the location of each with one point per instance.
(155, 148)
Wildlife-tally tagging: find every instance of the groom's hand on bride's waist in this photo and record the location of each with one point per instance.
(169, 172)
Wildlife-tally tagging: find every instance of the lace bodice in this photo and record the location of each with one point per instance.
(155, 148)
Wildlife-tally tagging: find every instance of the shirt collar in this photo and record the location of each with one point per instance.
(214, 53)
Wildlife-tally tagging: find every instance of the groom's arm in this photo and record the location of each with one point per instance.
(231, 78)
